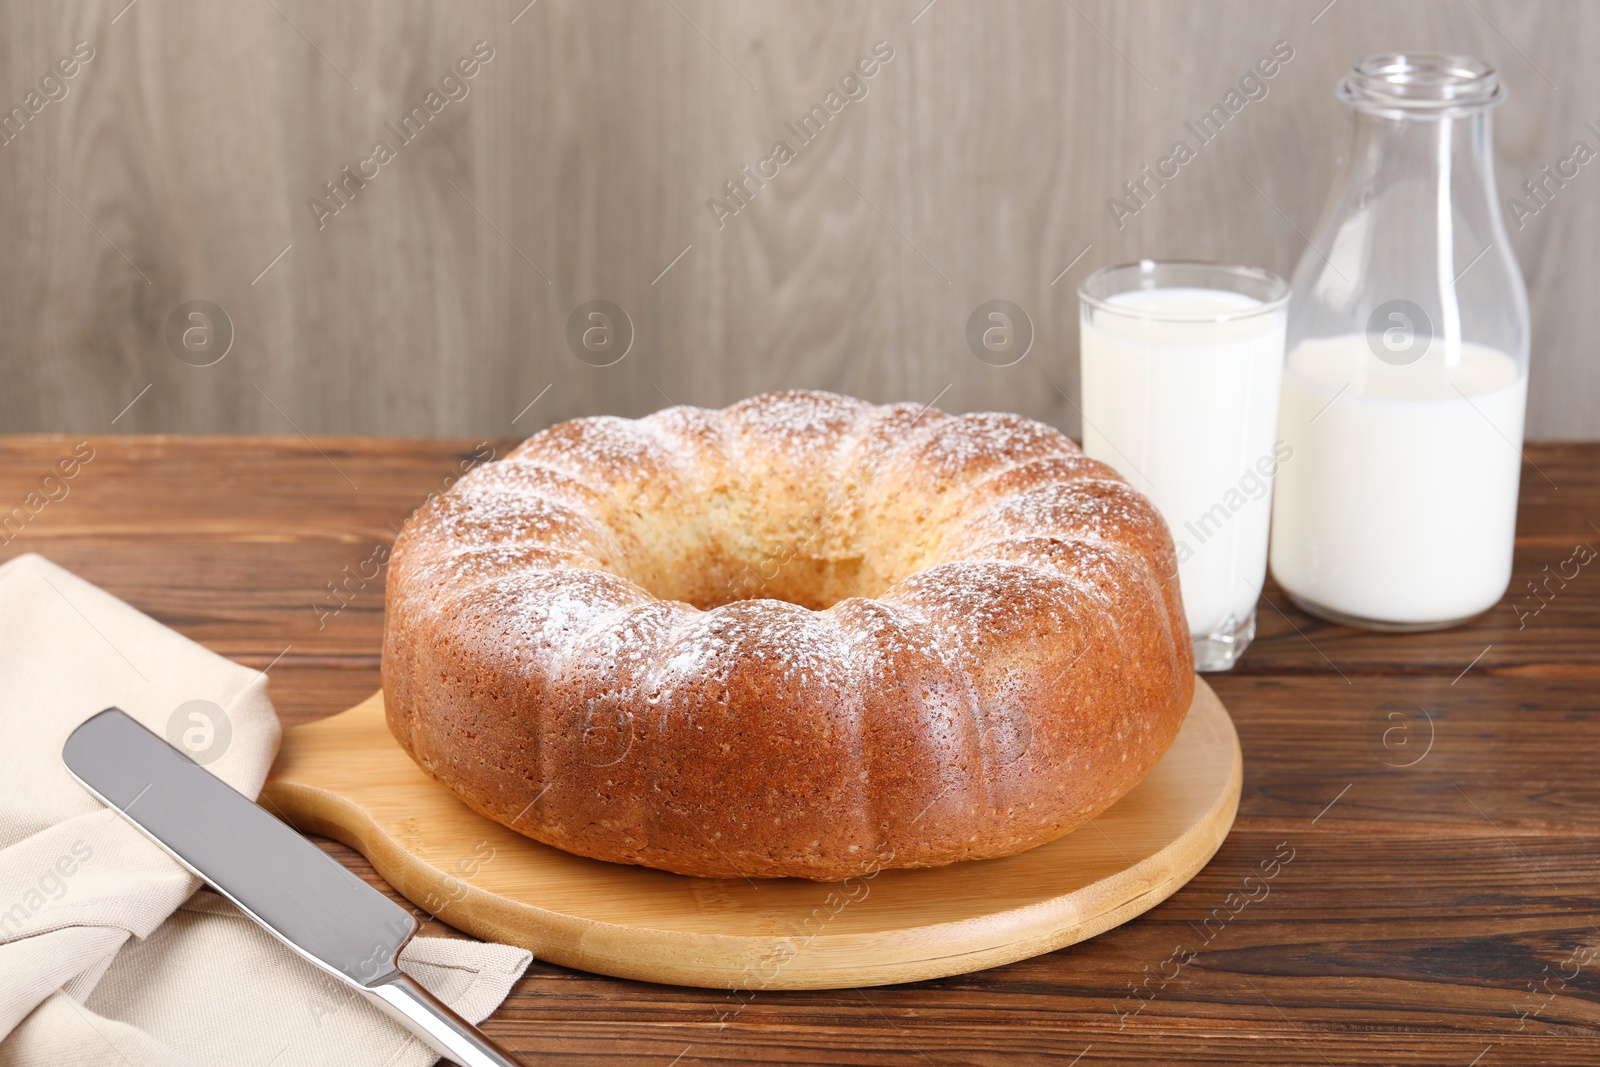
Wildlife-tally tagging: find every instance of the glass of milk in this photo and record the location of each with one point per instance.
(1407, 369)
(1181, 365)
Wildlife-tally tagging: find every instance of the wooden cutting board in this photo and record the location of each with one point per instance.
(345, 777)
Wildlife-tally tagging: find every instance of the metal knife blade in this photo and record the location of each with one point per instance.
(300, 894)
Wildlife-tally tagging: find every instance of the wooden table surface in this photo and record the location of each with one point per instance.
(1432, 798)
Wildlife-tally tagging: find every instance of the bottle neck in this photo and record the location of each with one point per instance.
(1424, 117)
(1413, 221)
(1429, 161)
(1414, 217)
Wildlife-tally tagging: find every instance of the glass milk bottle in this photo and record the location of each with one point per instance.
(1406, 374)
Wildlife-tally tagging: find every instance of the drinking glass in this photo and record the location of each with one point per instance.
(1181, 366)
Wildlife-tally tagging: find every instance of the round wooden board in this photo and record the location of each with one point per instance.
(347, 778)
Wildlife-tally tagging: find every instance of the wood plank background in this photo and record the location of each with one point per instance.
(180, 161)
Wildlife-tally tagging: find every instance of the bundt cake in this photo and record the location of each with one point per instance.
(802, 636)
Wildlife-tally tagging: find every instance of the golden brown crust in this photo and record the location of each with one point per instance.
(802, 636)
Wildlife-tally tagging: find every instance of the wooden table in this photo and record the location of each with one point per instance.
(1436, 793)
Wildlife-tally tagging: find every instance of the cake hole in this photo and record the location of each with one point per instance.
(720, 549)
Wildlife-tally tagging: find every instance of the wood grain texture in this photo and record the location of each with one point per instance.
(579, 165)
(1433, 913)
(348, 778)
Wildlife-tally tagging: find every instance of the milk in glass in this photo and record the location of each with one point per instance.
(1180, 394)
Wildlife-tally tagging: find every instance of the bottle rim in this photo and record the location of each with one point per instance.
(1421, 85)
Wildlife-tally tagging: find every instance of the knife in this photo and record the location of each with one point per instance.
(304, 897)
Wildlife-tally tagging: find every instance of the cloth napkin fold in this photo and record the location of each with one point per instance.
(108, 955)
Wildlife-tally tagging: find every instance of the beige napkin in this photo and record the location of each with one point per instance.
(101, 959)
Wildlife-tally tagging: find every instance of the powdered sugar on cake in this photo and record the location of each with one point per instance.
(902, 590)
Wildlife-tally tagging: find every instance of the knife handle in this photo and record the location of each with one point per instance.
(431, 1019)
